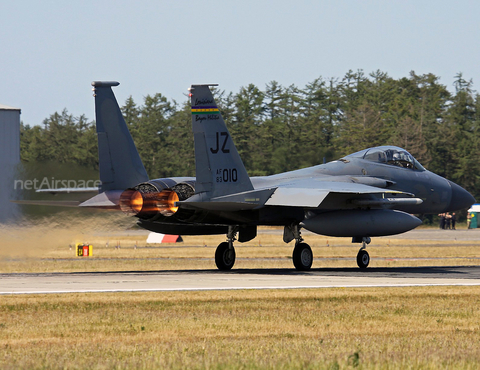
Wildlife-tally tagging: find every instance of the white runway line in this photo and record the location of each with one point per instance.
(207, 281)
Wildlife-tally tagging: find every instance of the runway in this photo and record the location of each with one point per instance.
(198, 280)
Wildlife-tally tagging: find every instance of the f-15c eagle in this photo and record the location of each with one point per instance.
(370, 193)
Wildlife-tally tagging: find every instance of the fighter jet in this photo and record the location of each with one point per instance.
(366, 194)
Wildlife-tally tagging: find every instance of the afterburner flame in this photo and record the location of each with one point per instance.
(172, 198)
(149, 204)
(136, 202)
(166, 202)
(126, 201)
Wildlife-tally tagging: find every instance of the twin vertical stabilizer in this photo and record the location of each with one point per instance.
(120, 164)
(219, 169)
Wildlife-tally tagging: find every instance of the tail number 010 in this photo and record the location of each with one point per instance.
(227, 175)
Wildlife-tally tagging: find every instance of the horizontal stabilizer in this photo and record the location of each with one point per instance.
(257, 197)
(233, 202)
(55, 203)
(108, 199)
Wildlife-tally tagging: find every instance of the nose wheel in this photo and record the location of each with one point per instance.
(363, 259)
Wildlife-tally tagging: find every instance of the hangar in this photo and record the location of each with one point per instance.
(9, 160)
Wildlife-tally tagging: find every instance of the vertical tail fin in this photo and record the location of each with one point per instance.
(119, 162)
(219, 169)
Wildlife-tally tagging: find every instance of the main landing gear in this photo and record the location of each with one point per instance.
(363, 258)
(302, 257)
(302, 253)
(225, 253)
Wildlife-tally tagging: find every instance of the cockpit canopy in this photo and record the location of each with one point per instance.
(392, 155)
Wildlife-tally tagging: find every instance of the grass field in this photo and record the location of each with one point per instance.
(192, 258)
(375, 328)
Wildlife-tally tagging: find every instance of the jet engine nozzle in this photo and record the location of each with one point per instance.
(146, 205)
(166, 202)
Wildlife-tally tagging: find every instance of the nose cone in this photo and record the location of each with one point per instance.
(460, 198)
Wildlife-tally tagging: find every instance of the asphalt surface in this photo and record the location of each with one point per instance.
(236, 279)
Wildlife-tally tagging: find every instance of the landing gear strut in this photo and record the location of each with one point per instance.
(302, 253)
(225, 253)
(363, 258)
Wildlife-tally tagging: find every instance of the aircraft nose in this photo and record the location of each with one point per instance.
(460, 198)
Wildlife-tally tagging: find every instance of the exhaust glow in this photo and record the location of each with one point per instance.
(149, 204)
(172, 198)
(136, 202)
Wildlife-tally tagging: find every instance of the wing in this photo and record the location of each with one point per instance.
(309, 194)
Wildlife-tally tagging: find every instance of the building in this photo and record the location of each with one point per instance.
(9, 160)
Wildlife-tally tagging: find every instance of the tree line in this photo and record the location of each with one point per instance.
(283, 128)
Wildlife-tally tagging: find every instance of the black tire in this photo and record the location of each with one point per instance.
(224, 257)
(302, 257)
(363, 259)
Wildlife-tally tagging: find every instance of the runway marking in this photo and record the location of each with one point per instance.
(168, 281)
